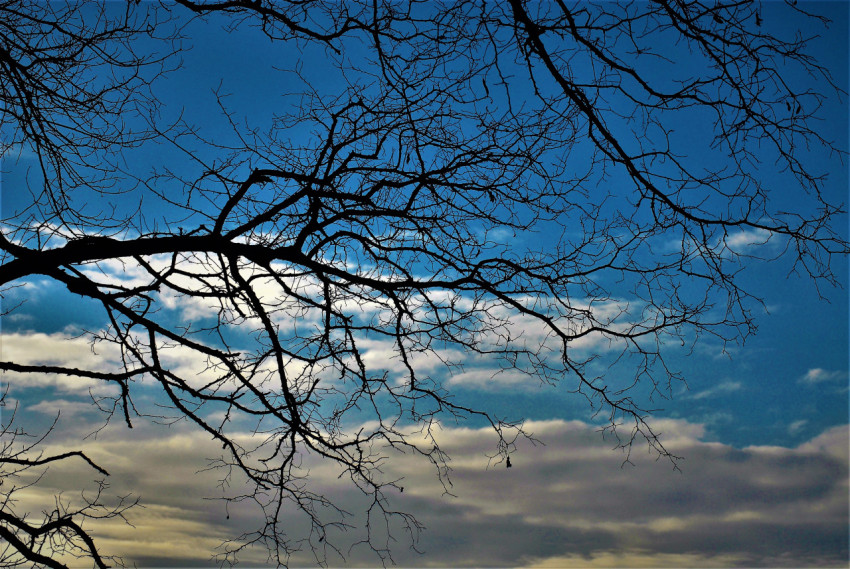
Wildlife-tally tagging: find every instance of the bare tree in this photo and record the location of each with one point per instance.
(73, 82)
(460, 124)
(56, 534)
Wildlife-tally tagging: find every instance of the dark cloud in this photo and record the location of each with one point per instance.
(760, 506)
(569, 503)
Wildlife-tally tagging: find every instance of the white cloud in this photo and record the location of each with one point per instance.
(492, 326)
(819, 375)
(60, 350)
(797, 426)
(832, 442)
(383, 354)
(492, 379)
(719, 389)
(740, 241)
(67, 408)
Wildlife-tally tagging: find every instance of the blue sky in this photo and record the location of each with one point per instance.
(762, 426)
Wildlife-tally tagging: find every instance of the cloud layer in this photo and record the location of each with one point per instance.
(571, 502)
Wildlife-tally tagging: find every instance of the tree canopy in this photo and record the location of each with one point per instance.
(561, 191)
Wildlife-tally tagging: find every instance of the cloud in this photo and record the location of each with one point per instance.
(819, 375)
(60, 350)
(81, 353)
(495, 379)
(797, 426)
(719, 389)
(636, 559)
(735, 243)
(745, 239)
(492, 327)
(64, 407)
(568, 503)
(383, 354)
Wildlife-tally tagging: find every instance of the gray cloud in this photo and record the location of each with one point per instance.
(569, 503)
(758, 506)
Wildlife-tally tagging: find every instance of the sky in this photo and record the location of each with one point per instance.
(762, 427)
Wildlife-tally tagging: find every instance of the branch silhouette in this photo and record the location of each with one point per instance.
(494, 187)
